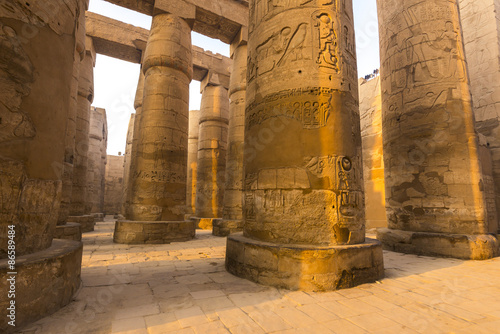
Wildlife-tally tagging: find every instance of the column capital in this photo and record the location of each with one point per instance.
(211, 79)
(240, 39)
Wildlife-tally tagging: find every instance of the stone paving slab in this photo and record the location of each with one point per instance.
(184, 288)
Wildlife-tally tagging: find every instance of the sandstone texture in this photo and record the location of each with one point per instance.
(137, 232)
(114, 185)
(192, 162)
(433, 174)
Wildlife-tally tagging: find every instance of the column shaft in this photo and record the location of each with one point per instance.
(212, 145)
(194, 126)
(159, 174)
(432, 171)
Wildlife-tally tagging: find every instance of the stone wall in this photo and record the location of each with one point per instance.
(114, 185)
(481, 38)
(370, 109)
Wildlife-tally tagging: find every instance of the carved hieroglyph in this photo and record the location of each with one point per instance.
(159, 169)
(303, 173)
(34, 102)
(212, 146)
(432, 171)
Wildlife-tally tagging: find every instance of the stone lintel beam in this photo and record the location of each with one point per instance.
(219, 19)
(127, 42)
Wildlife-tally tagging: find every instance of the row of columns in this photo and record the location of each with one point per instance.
(292, 171)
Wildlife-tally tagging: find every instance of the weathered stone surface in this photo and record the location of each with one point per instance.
(35, 99)
(159, 175)
(203, 223)
(481, 33)
(56, 271)
(233, 189)
(212, 146)
(80, 199)
(299, 267)
(192, 162)
(114, 185)
(144, 232)
(127, 158)
(69, 231)
(433, 174)
(87, 222)
(473, 247)
(304, 225)
(96, 165)
(370, 109)
(225, 227)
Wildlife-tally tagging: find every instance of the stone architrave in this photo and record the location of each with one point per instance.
(37, 48)
(81, 206)
(212, 146)
(194, 125)
(232, 215)
(158, 172)
(435, 196)
(304, 225)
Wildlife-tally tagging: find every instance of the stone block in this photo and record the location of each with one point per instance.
(158, 232)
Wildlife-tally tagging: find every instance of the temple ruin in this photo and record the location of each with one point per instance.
(291, 156)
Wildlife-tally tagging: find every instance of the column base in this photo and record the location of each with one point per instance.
(309, 268)
(459, 246)
(141, 232)
(69, 231)
(225, 227)
(46, 281)
(98, 217)
(203, 223)
(87, 222)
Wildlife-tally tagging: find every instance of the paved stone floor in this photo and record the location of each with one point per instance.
(183, 288)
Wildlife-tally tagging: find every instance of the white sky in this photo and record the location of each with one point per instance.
(115, 80)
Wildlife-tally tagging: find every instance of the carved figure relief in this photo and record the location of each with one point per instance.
(16, 71)
(327, 41)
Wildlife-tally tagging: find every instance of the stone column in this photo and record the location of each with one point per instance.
(212, 145)
(37, 48)
(94, 175)
(232, 215)
(159, 168)
(194, 125)
(69, 155)
(126, 161)
(129, 191)
(80, 205)
(481, 31)
(304, 225)
(434, 184)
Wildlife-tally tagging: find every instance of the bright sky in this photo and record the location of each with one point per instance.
(115, 80)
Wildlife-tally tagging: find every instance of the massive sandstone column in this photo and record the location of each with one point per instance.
(126, 161)
(69, 154)
(434, 183)
(158, 183)
(94, 170)
(212, 146)
(232, 214)
(37, 48)
(194, 125)
(370, 109)
(304, 222)
(129, 191)
(481, 31)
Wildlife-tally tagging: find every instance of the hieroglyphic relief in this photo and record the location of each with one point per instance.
(310, 106)
(326, 40)
(344, 178)
(17, 73)
(159, 176)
